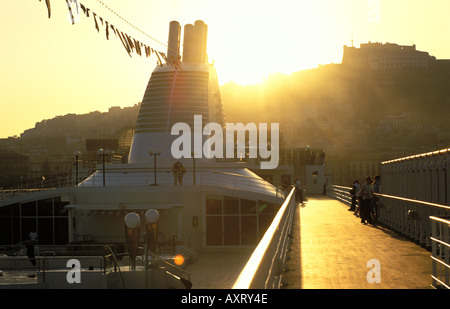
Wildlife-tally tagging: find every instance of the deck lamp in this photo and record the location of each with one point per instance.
(132, 224)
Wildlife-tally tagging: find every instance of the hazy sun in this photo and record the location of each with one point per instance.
(249, 40)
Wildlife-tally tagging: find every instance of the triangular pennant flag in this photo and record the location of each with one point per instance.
(83, 8)
(96, 24)
(70, 11)
(159, 59)
(107, 30)
(130, 42)
(49, 9)
(125, 44)
(137, 46)
(147, 51)
(113, 29)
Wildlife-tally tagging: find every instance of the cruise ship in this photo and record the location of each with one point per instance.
(220, 204)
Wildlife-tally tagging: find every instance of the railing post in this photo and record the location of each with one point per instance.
(446, 238)
(434, 254)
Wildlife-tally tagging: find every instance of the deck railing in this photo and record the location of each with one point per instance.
(408, 217)
(146, 177)
(440, 252)
(265, 266)
(166, 178)
(423, 222)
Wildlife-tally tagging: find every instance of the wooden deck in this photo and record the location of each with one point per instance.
(331, 249)
(217, 269)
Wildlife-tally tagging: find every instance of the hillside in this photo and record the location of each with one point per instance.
(334, 107)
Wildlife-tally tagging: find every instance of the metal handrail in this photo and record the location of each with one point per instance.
(119, 176)
(116, 263)
(407, 217)
(440, 252)
(164, 177)
(422, 222)
(263, 269)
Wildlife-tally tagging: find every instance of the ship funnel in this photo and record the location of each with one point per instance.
(173, 49)
(194, 42)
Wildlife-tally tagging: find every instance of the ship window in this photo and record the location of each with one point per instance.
(45, 207)
(6, 211)
(47, 217)
(5, 230)
(231, 232)
(214, 230)
(248, 206)
(61, 226)
(248, 230)
(232, 221)
(59, 204)
(264, 222)
(230, 205)
(45, 227)
(265, 207)
(213, 207)
(29, 225)
(28, 209)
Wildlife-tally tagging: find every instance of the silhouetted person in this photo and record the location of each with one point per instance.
(30, 247)
(353, 191)
(298, 191)
(367, 196)
(374, 205)
(178, 171)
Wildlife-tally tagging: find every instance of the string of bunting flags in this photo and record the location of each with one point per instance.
(130, 44)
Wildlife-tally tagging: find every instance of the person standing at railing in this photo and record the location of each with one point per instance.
(298, 191)
(355, 188)
(30, 247)
(178, 171)
(374, 203)
(367, 196)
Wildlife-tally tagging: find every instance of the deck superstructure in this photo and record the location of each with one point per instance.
(220, 205)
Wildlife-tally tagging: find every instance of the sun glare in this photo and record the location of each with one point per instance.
(253, 39)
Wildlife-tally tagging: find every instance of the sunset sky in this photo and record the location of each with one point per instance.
(50, 67)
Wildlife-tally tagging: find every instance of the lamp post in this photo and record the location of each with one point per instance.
(151, 230)
(76, 153)
(132, 224)
(154, 154)
(151, 234)
(103, 152)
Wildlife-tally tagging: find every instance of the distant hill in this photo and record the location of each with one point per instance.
(333, 106)
(92, 125)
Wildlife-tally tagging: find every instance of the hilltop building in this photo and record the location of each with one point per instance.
(386, 57)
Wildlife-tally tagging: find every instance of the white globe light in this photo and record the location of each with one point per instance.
(132, 220)
(152, 216)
